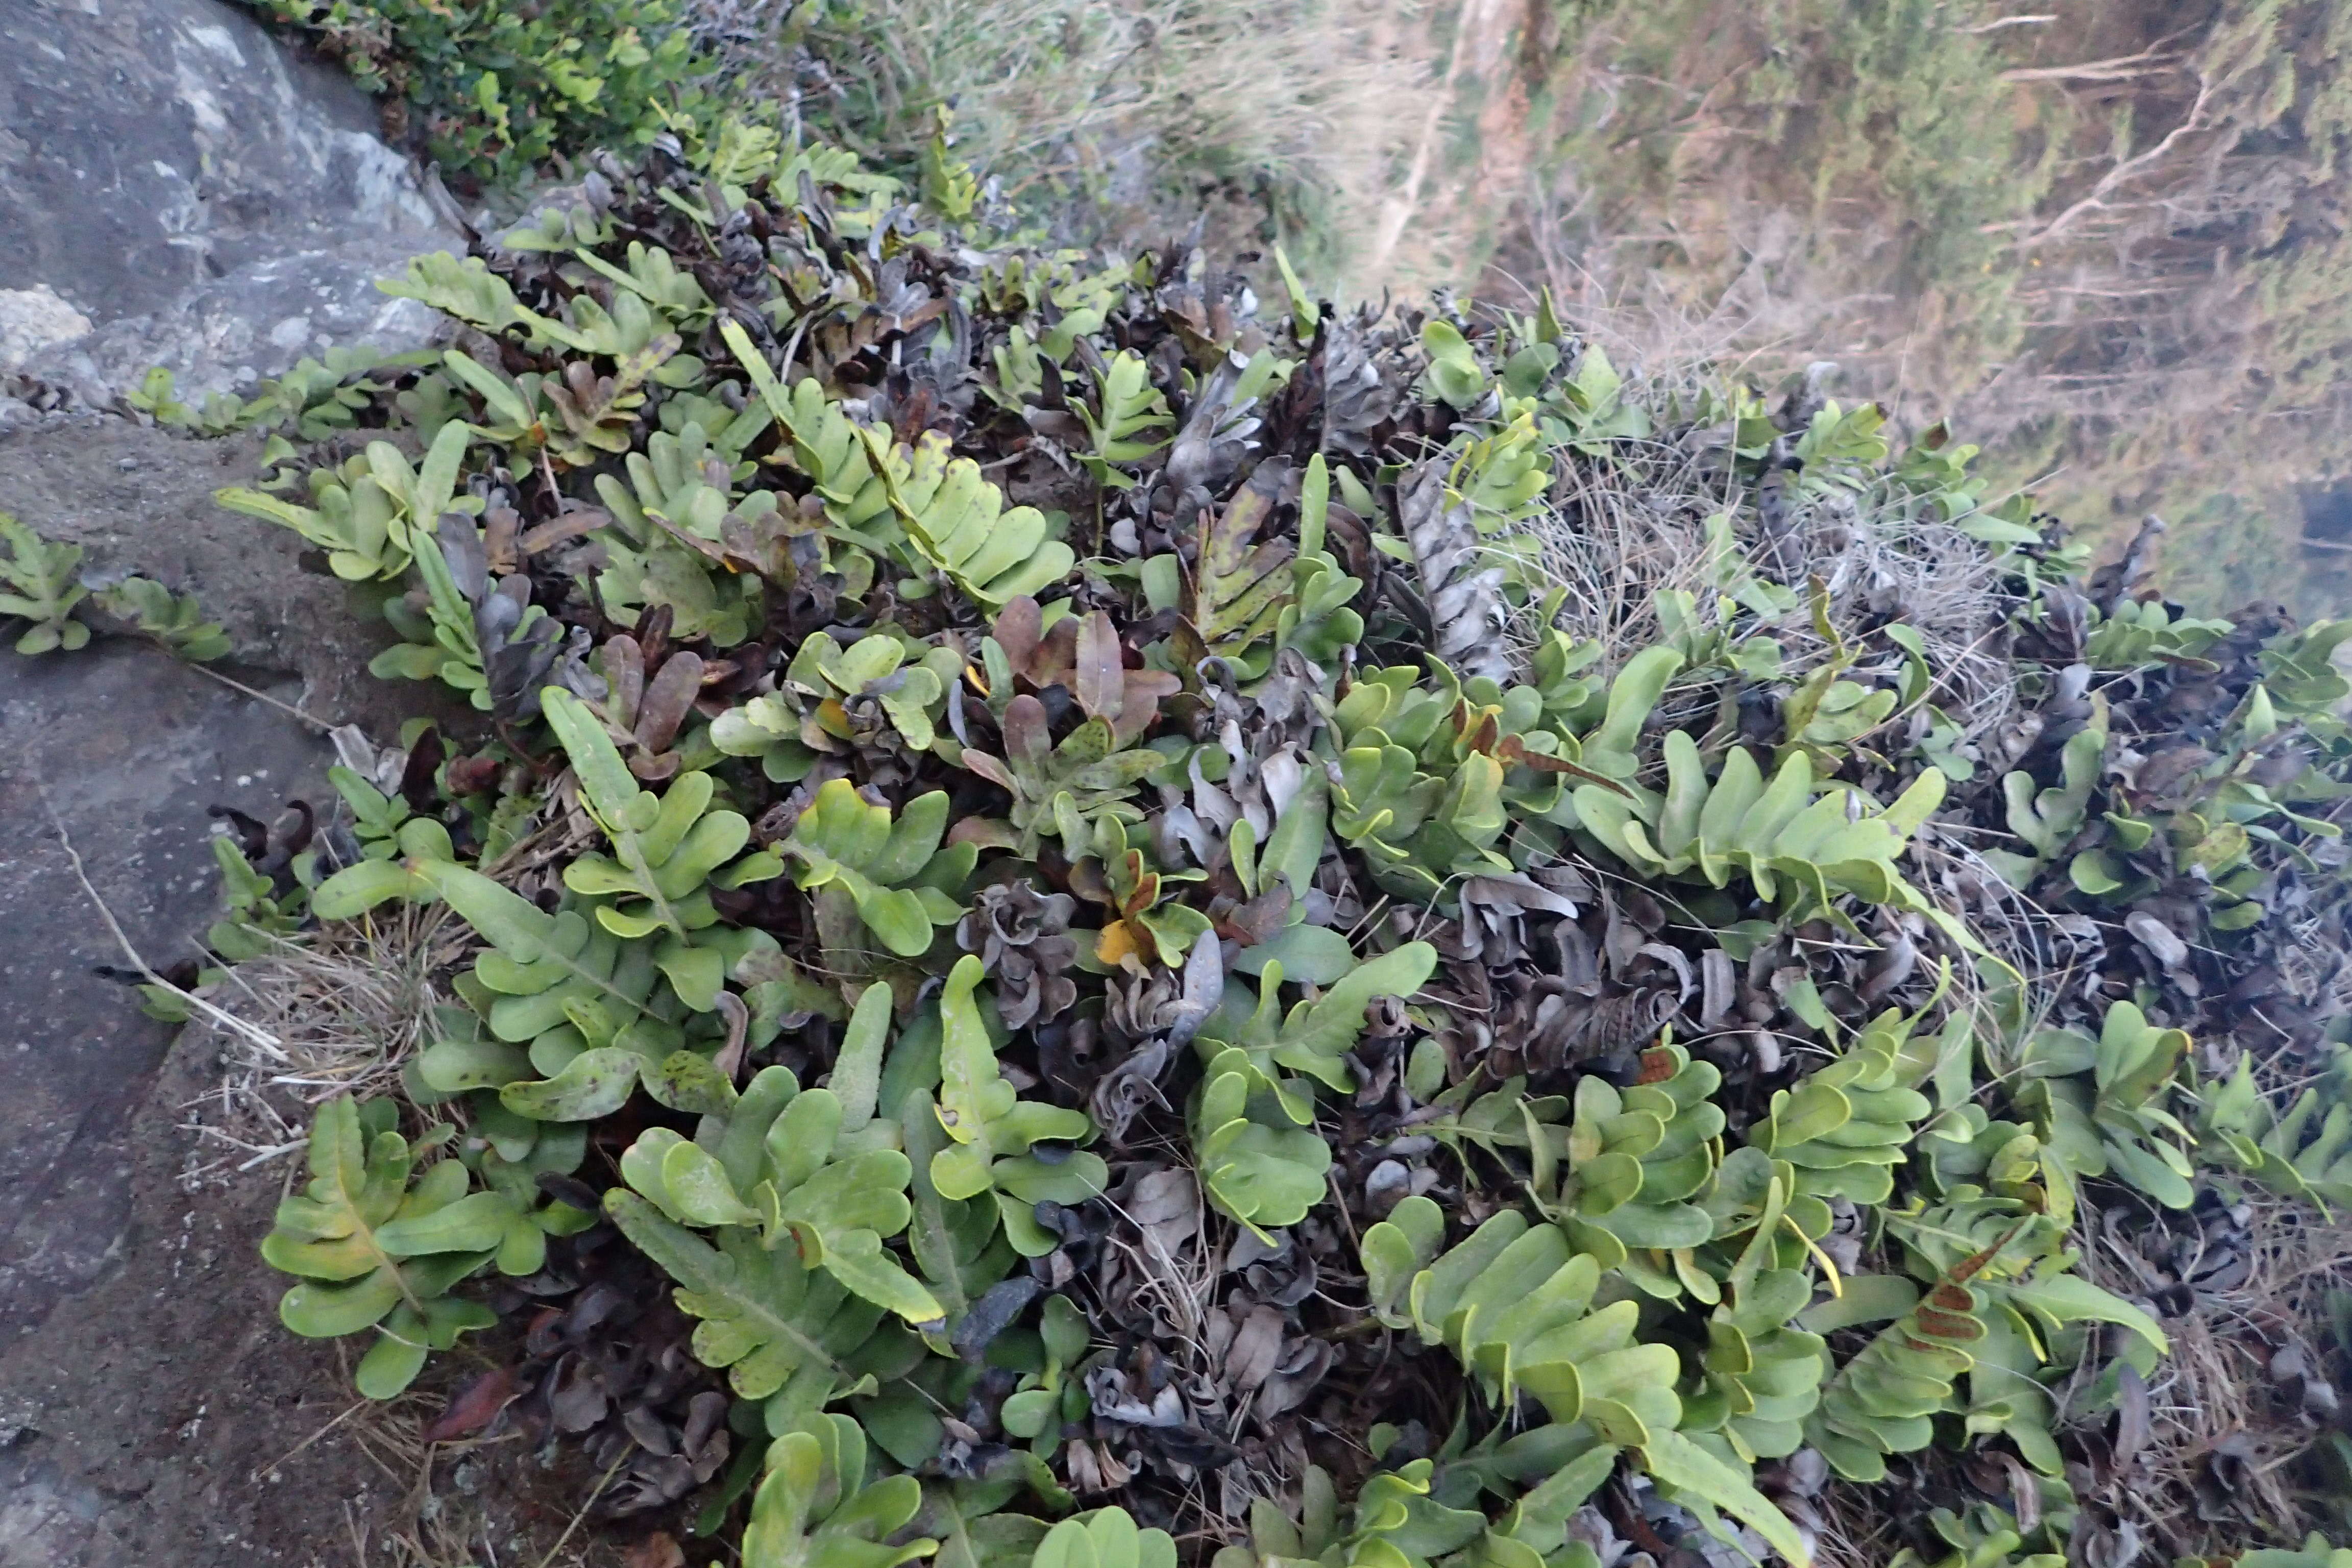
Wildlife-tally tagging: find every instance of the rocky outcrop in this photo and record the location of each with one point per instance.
(139, 499)
(177, 189)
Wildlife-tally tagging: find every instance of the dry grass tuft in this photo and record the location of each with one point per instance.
(332, 1011)
(1117, 119)
(2218, 1415)
(1857, 1529)
(1618, 535)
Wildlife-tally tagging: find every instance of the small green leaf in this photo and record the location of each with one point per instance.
(1309, 955)
(596, 1083)
(357, 888)
(1674, 1460)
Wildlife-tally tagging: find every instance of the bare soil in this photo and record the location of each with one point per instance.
(161, 1415)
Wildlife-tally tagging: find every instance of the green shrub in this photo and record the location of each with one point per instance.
(495, 89)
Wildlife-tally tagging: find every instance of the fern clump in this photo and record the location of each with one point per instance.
(1118, 908)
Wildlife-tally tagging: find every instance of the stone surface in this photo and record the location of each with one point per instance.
(132, 747)
(146, 1385)
(161, 1415)
(33, 320)
(153, 1408)
(208, 202)
(176, 189)
(125, 749)
(145, 1382)
(139, 499)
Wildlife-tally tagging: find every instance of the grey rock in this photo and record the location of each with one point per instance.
(139, 499)
(251, 325)
(127, 747)
(206, 200)
(160, 1414)
(33, 320)
(124, 749)
(147, 1390)
(176, 188)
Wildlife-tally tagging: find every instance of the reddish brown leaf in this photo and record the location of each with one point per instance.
(572, 525)
(625, 673)
(988, 832)
(1026, 736)
(667, 698)
(1099, 683)
(987, 768)
(474, 1407)
(656, 1550)
(1484, 734)
(921, 408)
(472, 775)
(1018, 626)
(1259, 921)
(1139, 703)
(1051, 660)
(500, 525)
(1087, 881)
(653, 634)
(1145, 885)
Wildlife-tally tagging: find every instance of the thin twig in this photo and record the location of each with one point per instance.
(260, 1470)
(1998, 22)
(261, 1038)
(601, 1482)
(324, 728)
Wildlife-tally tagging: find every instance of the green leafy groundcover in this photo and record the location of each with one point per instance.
(495, 90)
(1042, 841)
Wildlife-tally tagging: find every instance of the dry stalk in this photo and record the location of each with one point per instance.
(1857, 1529)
